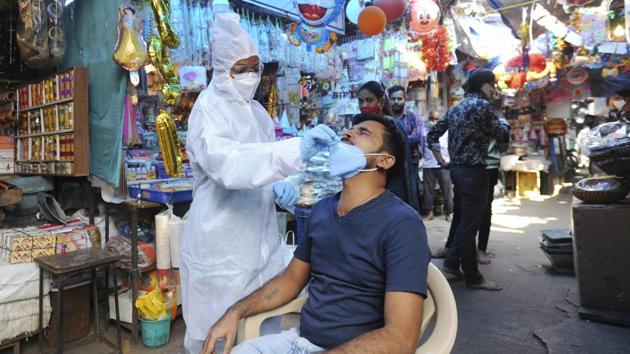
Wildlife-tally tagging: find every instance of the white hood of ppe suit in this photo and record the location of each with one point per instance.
(230, 246)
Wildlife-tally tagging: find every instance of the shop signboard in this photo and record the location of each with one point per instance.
(315, 10)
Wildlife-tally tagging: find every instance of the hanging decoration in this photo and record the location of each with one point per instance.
(372, 20)
(162, 13)
(394, 9)
(315, 15)
(131, 51)
(353, 9)
(425, 16)
(169, 143)
(435, 50)
(273, 101)
(40, 34)
(626, 9)
(160, 58)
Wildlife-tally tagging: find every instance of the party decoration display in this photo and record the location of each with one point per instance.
(353, 9)
(160, 58)
(626, 10)
(435, 50)
(33, 39)
(56, 37)
(532, 70)
(318, 37)
(162, 13)
(394, 9)
(131, 51)
(372, 20)
(169, 143)
(315, 15)
(425, 16)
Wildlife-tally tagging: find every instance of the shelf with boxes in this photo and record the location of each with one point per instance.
(53, 127)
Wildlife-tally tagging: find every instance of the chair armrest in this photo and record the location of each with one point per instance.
(249, 328)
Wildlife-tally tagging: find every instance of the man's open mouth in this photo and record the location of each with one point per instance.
(312, 12)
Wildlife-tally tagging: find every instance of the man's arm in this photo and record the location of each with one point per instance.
(433, 139)
(403, 318)
(498, 127)
(275, 293)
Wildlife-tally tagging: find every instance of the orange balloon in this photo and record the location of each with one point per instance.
(372, 20)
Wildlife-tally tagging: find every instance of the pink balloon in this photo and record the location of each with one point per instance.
(393, 9)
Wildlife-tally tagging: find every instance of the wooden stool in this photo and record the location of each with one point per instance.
(63, 266)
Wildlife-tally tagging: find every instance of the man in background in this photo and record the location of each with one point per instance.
(432, 172)
(414, 128)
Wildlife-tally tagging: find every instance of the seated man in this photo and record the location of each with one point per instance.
(366, 254)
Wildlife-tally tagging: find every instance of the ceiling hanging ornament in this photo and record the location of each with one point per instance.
(131, 51)
(315, 15)
(425, 17)
(435, 50)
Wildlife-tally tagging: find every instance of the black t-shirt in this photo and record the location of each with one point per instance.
(378, 247)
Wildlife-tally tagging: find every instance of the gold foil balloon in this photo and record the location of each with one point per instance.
(169, 143)
(171, 90)
(162, 13)
(130, 52)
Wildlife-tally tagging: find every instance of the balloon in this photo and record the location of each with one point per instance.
(372, 20)
(393, 9)
(425, 16)
(353, 10)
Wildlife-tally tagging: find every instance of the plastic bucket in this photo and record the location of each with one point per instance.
(155, 334)
(301, 218)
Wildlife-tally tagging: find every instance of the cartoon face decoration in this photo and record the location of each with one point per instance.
(425, 16)
(319, 12)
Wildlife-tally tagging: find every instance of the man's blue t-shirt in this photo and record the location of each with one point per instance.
(378, 247)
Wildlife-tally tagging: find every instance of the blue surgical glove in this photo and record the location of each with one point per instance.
(221, 6)
(286, 194)
(317, 139)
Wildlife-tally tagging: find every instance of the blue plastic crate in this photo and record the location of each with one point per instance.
(149, 192)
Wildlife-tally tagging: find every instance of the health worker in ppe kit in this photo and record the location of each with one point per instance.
(231, 244)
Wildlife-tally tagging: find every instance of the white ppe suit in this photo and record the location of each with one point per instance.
(231, 245)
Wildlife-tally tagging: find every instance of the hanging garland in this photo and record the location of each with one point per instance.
(435, 51)
(272, 101)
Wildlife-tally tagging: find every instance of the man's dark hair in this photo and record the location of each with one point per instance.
(392, 140)
(392, 90)
(625, 93)
(479, 78)
(378, 90)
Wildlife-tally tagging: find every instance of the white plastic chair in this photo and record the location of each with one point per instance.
(440, 303)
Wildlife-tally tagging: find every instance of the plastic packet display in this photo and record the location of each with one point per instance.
(606, 138)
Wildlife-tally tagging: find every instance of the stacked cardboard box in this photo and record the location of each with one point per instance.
(25, 244)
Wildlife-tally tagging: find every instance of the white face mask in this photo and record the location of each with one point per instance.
(246, 84)
(619, 104)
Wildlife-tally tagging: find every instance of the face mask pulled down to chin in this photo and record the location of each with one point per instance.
(374, 110)
(398, 108)
(246, 85)
(347, 161)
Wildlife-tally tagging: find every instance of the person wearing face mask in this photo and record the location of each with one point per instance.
(432, 172)
(365, 253)
(373, 99)
(231, 245)
(620, 103)
(471, 125)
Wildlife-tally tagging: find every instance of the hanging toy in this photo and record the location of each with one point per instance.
(315, 15)
(435, 50)
(171, 89)
(169, 143)
(162, 13)
(131, 51)
(425, 16)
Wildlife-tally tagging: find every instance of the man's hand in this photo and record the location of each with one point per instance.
(225, 328)
(444, 164)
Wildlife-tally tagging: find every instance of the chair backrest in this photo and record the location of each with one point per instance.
(440, 303)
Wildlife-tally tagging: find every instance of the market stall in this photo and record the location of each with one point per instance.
(113, 104)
